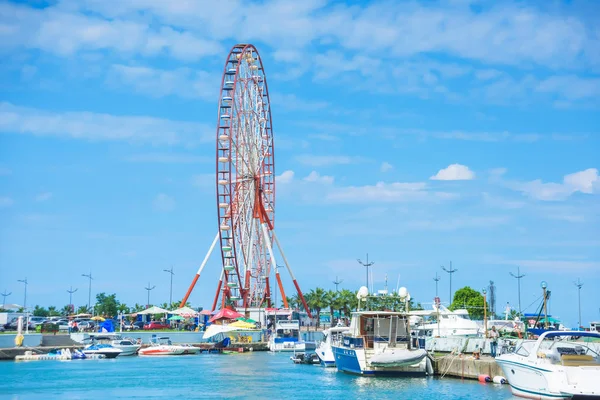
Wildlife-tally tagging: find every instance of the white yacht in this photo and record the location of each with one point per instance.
(378, 343)
(331, 336)
(557, 369)
(286, 337)
(447, 323)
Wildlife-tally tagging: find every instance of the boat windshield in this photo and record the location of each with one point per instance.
(564, 346)
(525, 348)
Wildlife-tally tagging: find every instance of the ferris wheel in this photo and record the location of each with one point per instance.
(245, 180)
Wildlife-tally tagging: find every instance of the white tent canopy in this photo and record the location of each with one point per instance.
(215, 329)
(184, 312)
(153, 310)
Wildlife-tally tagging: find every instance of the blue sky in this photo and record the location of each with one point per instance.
(418, 132)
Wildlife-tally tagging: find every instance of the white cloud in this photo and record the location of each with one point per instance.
(167, 158)
(183, 82)
(314, 176)
(6, 201)
(163, 203)
(60, 31)
(454, 172)
(379, 193)
(386, 166)
(586, 181)
(101, 127)
(321, 161)
(45, 196)
(285, 177)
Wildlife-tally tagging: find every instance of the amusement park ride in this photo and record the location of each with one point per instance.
(245, 179)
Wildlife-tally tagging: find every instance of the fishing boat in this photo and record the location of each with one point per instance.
(162, 346)
(286, 337)
(324, 350)
(378, 343)
(561, 368)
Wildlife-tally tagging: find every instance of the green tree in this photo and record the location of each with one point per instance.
(123, 308)
(317, 302)
(53, 312)
(40, 311)
(66, 310)
(83, 310)
(107, 305)
(469, 299)
(332, 299)
(137, 308)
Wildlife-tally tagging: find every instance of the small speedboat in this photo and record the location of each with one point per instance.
(128, 347)
(163, 347)
(189, 349)
(302, 358)
(105, 349)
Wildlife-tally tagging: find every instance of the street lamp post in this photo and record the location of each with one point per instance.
(485, 313)
(71, 291)
(579, 284)
(89, 276)
(25, 298)
(148, 288)
(170, 271)
(4, 296)
(544, 286)
(436, 279)
(450, 271)
(337, 282)
(366, 264)
(518, 276)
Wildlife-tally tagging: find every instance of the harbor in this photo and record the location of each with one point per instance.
(322, 200)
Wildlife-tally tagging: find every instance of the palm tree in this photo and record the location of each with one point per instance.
(331, 298)
(348, 301)
(52, 311)
(137, 308)
(317, 303)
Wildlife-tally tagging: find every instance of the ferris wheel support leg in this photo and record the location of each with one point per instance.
(287, 265)
(217, 294)
(270, 248)
(210, 250)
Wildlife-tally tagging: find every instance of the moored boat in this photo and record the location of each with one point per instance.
(379, 344)
(162, 346)
(286, 337)
(558, 369)
(106, 350)
(324, 351)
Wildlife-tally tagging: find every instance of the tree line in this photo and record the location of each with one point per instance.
(318, 300)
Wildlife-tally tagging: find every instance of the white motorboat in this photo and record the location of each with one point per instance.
(331, 336)
(448, 323)
(162, 346)
(379, 344)
(553, 369)
(128, 347)
(105, 349)
(286, 337)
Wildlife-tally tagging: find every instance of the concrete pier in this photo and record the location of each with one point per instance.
(465, 367)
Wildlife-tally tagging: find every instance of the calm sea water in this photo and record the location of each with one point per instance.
(257, 375)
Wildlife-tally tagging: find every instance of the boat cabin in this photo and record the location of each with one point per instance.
(377, 330)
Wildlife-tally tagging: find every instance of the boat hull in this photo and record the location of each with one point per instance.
(532, 382)
(158, 351)
(354, 361)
